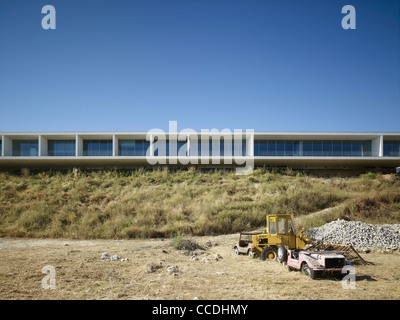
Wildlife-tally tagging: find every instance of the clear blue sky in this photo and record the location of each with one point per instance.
(237, 64)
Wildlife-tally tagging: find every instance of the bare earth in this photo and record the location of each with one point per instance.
(82, 274)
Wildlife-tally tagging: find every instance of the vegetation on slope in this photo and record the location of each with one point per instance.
(141, 204)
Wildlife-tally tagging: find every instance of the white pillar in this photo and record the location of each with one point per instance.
(151, 145)
(115, 145)
(79, 146)
(188, 145)
(249, 143)
(43, 146)
(7, 146)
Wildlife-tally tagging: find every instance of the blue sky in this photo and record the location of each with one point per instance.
(236, 64)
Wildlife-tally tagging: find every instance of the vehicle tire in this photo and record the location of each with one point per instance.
(236, 251)
(282, 254)
(269, 253)
(307, 271)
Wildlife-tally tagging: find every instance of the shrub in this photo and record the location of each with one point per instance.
(180, 243)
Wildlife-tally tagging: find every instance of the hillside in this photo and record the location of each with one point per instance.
(148, 204)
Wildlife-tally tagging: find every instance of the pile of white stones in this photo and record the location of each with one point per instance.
(363, 237)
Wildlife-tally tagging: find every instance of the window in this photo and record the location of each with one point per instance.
(239, 149)
(337, 148)
(391, 148)
(356, 148)
(280, 148)
(1, 147)
(282, 228)
(25, 148)
(346, 148)
(176, 144)
(61, 148)
(97, 148)
(317, 148)
(366, 148)
(271, 148)
(307, 148)
(133, 147)
(288, 148)
(296, 148)
(260, 148)
(327, 148)
(272, 225)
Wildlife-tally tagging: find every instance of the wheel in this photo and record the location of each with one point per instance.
(251, 254)
(269, 253)
(282, 253)
(307, 271)
(236, 251)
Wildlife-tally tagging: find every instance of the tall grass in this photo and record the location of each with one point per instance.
(142, 204)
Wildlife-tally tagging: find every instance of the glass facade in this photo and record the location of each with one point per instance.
(391, 148)
(60, 148)
(96, 148)
(198, 152)
(66, 146)
(221, 148)
(312, 148)
(133, 147)
(25, 148)
(179, 150)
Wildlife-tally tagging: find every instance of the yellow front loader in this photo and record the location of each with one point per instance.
(279, 231)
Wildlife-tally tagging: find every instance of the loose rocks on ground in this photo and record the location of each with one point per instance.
(363, 237)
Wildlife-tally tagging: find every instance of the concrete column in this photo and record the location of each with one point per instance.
(249, 143)
(43, 146)
(2, 145)
(381, 146)
(115, 145)
(79, 146)
(188, 145)
(375, 147)
(151, 145)
(7, 146)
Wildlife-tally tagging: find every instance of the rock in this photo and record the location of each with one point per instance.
(217, 257)
(172, 269)
(363, 237)
(152, 267)
(104, 256)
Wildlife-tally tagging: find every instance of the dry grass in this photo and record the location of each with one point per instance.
(81, 274)
(148, 204)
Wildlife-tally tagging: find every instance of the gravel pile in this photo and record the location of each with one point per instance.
(363, 237)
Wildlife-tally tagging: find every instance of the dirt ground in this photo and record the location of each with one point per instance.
(80, 273)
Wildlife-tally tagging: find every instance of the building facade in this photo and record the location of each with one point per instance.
(306, 150)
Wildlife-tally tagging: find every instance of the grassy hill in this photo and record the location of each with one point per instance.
(141, 204)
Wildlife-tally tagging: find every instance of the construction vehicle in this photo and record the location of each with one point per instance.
(280, 232)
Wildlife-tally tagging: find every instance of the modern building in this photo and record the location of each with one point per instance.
(305, 150)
